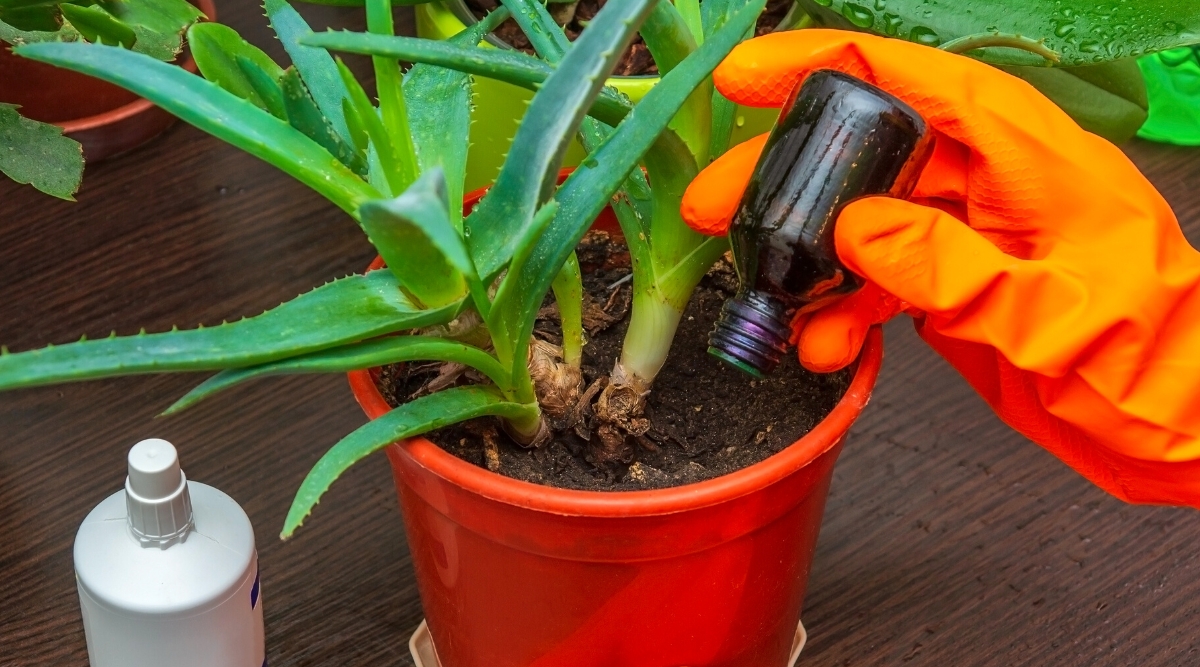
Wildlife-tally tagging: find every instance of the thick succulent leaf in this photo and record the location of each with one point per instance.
(265, 86)
(509, 66)
(420, 416)
(690, 11)
(97, 25)
(38, 154)
(351, 309)
(1107, 99)
(304, 115)
(389, 88)
(530, 172)
(1082, 32)
(546, 37)
(158, 24)
(439, 116)
(222, 114)
(670, 40)
(316, 66)
(357, 356)
(422, 248)
(217, 49)
(589, 188)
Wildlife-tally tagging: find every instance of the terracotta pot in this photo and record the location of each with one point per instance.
(713, 574)
(106, 119)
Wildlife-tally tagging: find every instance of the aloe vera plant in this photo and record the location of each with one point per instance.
(36, 153)
(462, 290)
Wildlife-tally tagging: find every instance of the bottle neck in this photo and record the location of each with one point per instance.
(752, 333)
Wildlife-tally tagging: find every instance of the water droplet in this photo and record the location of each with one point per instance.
(1064, 29)
(1069, 14)
(858, 15)
(891, 24)
(1089, 46)
(741, 120)
(880, 5)
(1172, 28)
(925, 36)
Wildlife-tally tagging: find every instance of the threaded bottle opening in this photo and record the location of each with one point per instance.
(752, 333)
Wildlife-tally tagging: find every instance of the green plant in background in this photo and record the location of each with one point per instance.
(1095, 45)
(460, 290)
(37, 153)
(1173, 82)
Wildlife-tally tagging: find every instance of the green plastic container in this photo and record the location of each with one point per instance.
(500, 106)
(1173, 84)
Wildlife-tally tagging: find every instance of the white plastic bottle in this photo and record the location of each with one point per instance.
(167, 572)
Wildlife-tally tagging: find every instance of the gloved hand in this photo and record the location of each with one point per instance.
(1033, 256)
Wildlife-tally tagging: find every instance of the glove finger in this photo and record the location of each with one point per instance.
(1041, 316)
(712, 198)
(831, 338)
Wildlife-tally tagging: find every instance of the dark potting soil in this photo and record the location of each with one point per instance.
(706, 419)
(574, 17)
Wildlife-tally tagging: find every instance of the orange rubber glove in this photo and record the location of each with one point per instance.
(1033, 256)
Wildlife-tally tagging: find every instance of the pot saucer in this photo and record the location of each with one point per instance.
(423, 653)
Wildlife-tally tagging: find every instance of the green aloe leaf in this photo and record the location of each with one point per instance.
(316, 66)
(97, 25)
(365, 115)
(217, 49)
(344, 311)
(422, 415)
(670, 40)
(38, 154)
(546, 37)
(265, 86)
(414, 235)
(304, 115)
(1107, 99)
(590, 187)
(389, 87)
(439, 115)
(1083, 32)
(529, 175)
(509, 66)
(220, 113)
(357, 356)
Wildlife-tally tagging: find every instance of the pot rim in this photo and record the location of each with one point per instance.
(611, 504)
(141, 104)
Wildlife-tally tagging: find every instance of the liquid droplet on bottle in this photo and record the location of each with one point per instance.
(741, 120)
(880, 5)
(891, 24)
(1089, 46)
(858, 15)
(1172, 28)
(925, 36)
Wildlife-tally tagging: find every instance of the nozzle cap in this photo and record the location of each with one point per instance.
(156, 494)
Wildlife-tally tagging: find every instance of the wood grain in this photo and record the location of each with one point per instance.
(948, 539)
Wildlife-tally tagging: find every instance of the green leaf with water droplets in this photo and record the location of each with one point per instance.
(1082, 32)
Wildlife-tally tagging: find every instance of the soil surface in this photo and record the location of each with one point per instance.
(574, 17)
(706, 419)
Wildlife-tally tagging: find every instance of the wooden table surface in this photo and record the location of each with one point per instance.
(948, 539)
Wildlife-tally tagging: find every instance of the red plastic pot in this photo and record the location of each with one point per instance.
(713, 574)
(106, 119)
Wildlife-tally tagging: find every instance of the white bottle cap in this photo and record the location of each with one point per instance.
(156, 494)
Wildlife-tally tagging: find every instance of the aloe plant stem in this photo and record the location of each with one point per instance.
(568, 294)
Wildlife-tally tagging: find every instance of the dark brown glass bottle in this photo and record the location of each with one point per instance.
(837, 139)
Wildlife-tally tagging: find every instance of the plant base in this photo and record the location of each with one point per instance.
(425, 655)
